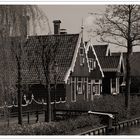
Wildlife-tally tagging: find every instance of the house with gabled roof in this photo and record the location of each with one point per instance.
(113, 69)
(96, 73)
(73, 69)
(102, 50)
(135, 70)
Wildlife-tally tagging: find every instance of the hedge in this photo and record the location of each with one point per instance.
(54, 128)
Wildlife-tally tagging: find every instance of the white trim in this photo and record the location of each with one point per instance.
(74, 58)
(120, 62)
(108, 49)
(98, 61)
(87, 48)
(75, 88)
(117, 85)
(90, 60)
(111, 85)
(87, 98)
(87, 57)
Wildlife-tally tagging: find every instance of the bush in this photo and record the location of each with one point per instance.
(108, 103)
(135, 106)
(54, 128)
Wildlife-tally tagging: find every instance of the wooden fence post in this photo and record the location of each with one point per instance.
(109, 127)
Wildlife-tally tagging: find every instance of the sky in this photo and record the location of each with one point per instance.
(71, 17)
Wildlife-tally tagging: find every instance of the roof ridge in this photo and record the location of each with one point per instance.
(53, 35)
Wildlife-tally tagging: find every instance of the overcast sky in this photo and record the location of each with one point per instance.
(71, 17)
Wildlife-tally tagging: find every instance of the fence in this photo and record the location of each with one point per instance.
(32, 111)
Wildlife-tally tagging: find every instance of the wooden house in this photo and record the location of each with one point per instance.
(113, 69)
(96, 73)
(135, 70)
(75, 75)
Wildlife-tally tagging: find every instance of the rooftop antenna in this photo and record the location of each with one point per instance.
(82, 30)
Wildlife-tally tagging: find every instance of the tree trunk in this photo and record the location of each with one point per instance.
(129, 51)
(128, 80)
(19, 95)
(48, 106)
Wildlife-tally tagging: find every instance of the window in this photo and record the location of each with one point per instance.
(94, 64)
(79, 85)
(89, 88)
(91, 63)
(93, 89)
(97, 89)
(96, 81)
(82, 60)
(113, 83)
(81, 51)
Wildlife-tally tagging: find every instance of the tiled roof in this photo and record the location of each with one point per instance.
(109, 63)
(100, 49)
(134, 62)
(65, 49)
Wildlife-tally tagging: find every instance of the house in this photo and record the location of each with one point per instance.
(96, 73)
(113, 69)
(74, 80)
(135, 70)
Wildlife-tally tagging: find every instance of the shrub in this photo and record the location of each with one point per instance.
(108, 103)
(54, 128)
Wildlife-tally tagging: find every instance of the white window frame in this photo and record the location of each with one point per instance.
(82, 60)
(81, 87)
(85, 82)
(94, 64)
(90, 60)
(97, 83)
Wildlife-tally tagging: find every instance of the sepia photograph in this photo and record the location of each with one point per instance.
(70, 70)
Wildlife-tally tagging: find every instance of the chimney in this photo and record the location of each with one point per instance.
(56, 26)
(63, 31)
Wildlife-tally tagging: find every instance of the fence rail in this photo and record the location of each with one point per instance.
(96, 131)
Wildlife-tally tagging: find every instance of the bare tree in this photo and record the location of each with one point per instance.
(13, 24)
(120, 25)
(48, 58)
